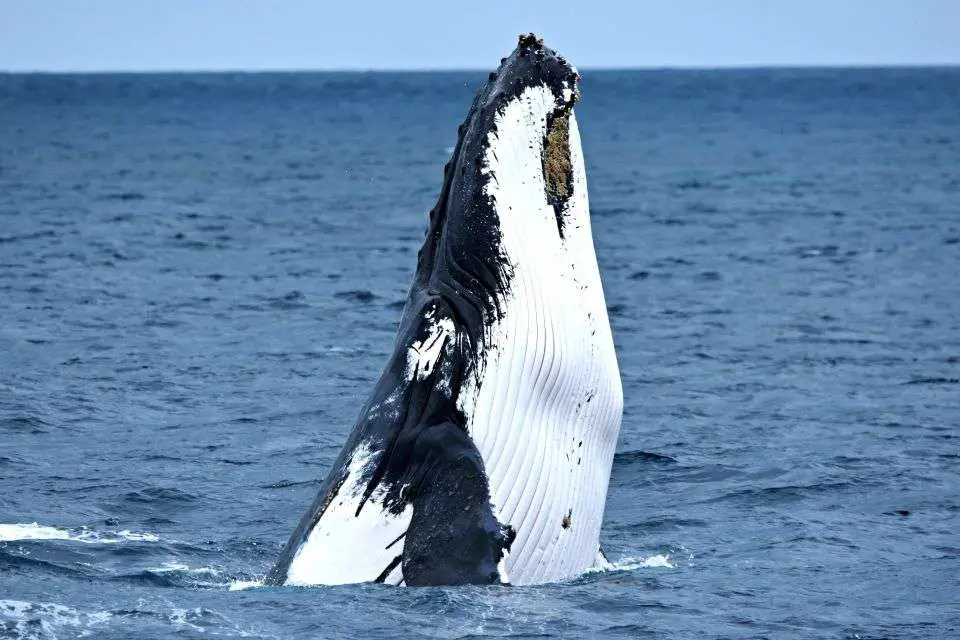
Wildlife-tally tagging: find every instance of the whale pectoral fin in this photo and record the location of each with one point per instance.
(410, 472)
(453, 537)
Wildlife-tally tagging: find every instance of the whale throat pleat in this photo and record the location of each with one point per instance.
(545, 411)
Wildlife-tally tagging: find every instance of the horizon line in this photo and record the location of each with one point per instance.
(590, 68)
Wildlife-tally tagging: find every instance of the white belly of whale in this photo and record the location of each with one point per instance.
(545, 406)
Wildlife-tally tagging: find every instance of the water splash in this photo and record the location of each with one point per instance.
(661, 561)
(179, 567)
(35, 531)
(242, 585)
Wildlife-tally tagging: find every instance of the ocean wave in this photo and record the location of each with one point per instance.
(39, 621)
(659, 561)
(48, 621)
(179, 567)
(178, 574)
(35, 531)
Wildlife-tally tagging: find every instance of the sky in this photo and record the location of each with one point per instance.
(154, 35)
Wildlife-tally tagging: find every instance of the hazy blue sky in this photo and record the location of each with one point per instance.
(318, 34)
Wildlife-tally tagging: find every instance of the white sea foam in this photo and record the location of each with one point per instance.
(179, 567)
(185, 618)
(243, 585)
(130, 536)
(206, 577)
(208, 622)
(660, 561)
(35, 531)
(42, 621)
(651, 562)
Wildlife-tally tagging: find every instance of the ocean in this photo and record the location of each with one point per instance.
(201, 276)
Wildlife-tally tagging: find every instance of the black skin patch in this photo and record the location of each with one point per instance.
(423, 455)
(567, 520)
(453, 537)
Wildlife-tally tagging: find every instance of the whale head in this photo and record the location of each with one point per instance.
(514, 194)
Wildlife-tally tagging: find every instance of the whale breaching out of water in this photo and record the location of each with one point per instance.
(484, 452)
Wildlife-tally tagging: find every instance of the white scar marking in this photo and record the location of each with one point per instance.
(423, 354)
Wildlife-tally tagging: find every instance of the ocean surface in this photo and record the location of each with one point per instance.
(201, 275)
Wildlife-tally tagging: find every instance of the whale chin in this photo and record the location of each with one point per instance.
(484, 452)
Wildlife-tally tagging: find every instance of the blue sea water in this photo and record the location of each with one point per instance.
(201, 275)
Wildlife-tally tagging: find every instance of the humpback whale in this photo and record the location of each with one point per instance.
(484, 452)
